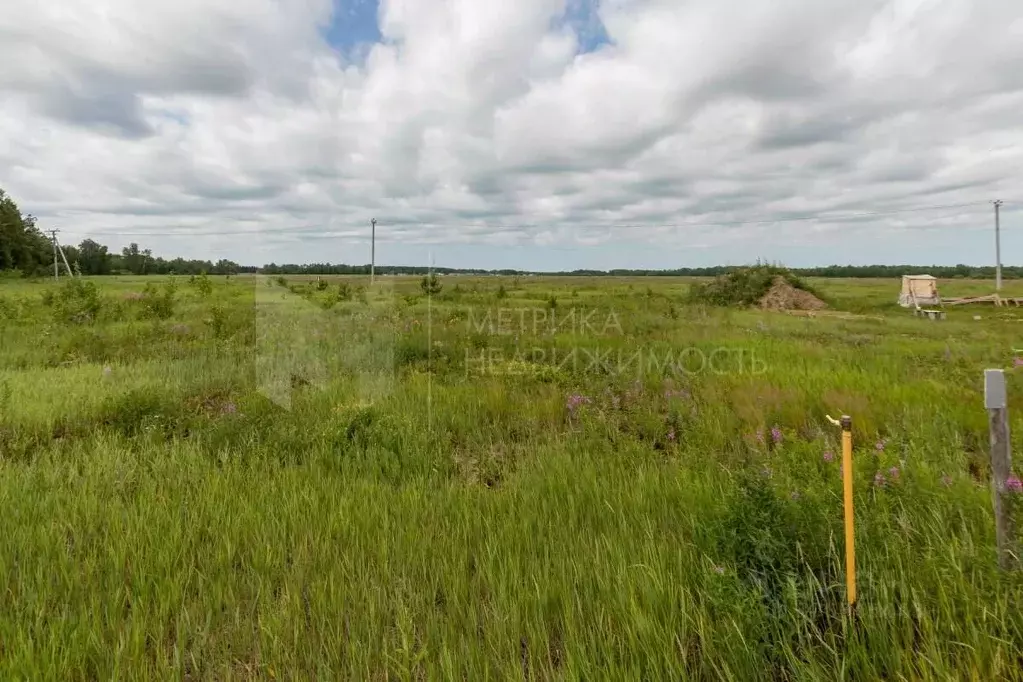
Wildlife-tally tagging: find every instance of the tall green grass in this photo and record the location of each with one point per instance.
(443, 499)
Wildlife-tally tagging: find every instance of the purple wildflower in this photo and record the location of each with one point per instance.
(228, 408)
(575, 401)
(879, 479)
(775, 434)
(720, 570)
(894, 473)
(1014, 484)
(1017, 362)
(946, 480)
(829, 456)
(879, 446)
(671, 435)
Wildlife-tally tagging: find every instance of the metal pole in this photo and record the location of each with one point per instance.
(995, 401)
(373, 251)
(998, 249)
(850, 535)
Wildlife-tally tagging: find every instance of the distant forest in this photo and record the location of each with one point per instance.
(26, 251)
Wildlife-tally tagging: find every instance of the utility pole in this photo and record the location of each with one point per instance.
(64, 258)
(53, 238)
(373, 250)
(998, 249)
(56, 248)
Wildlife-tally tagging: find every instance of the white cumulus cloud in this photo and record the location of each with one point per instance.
(234, 127)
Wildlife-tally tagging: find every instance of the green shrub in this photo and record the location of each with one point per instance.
(76, 301)
(431, 285)
(202, 284)
(157, 303)
(217, 322)
(743, 286)
(10, 309)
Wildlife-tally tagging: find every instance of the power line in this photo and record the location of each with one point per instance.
(308, 232)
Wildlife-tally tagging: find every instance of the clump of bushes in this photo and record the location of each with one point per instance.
(77, 301)
(744, 286)
(159, 304)
(431, 285)
(202, 284)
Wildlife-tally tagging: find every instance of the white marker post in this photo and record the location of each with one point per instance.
(996, 402)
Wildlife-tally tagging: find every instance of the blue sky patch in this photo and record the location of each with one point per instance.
(353, 27)
(583, 18)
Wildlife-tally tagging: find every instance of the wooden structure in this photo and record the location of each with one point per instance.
(921, 289)
(930, 314)
(994, 299)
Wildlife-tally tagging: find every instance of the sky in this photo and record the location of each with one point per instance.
(528, 134)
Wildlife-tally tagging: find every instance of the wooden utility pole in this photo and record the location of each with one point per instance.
(996, 402)
(64, 258)
(57, 248)
(53, 238)
(373, 250)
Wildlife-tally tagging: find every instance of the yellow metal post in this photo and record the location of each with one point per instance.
(850, 539)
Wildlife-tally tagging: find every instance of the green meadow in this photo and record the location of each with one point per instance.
(532, 478)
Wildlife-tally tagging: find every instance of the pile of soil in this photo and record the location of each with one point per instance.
(784, 296)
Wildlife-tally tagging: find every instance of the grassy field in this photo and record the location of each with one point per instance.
(513, 478)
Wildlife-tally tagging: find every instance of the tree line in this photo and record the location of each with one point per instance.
(25, 249)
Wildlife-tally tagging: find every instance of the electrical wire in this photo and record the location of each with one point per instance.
(307, 232)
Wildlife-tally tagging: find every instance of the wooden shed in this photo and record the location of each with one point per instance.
(919, 290)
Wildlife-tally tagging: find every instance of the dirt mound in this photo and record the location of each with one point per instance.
(784, 296)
